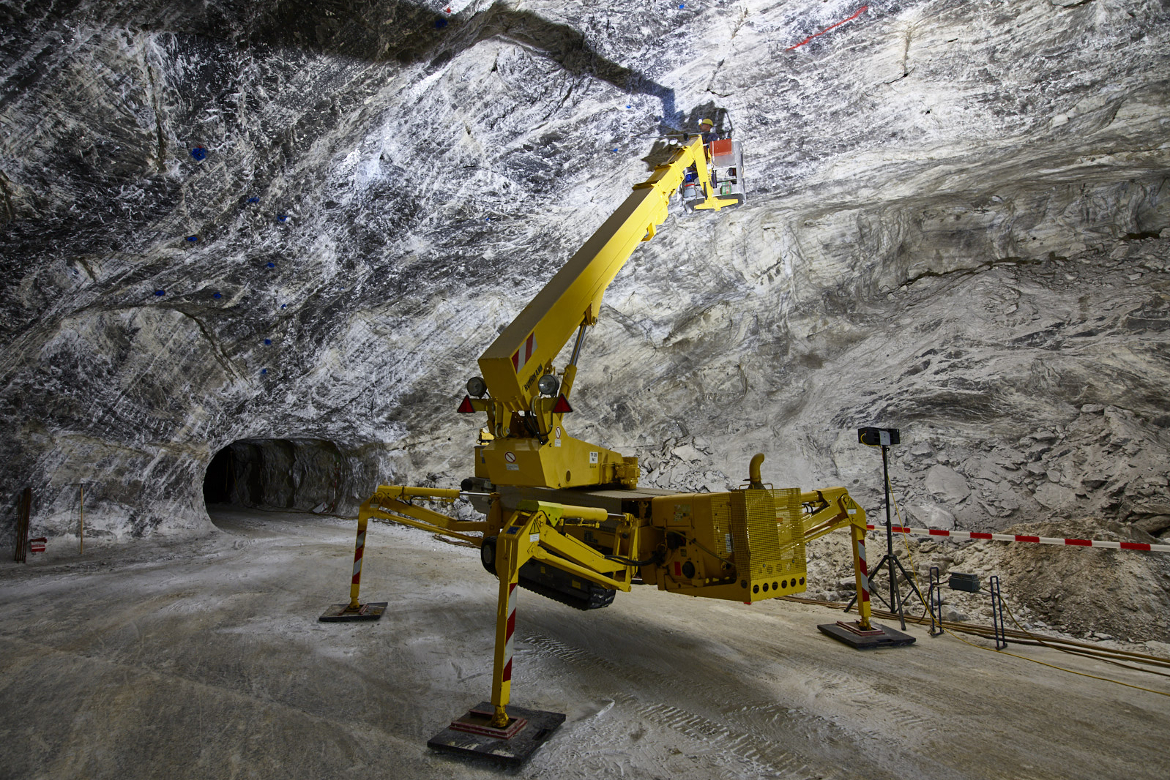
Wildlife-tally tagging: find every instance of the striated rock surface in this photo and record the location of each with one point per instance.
(294, 227)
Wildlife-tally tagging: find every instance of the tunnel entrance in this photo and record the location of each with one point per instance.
(307, 475)
(219, 482)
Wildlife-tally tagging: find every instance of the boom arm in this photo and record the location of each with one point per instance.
(522, 452)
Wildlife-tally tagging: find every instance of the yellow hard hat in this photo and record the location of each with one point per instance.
(707, 122)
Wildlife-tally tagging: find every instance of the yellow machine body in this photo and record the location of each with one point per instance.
(562, 462)
(743, 545)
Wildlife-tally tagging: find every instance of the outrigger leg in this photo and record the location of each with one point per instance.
(488, 729)
(355, 610)
(862, 634)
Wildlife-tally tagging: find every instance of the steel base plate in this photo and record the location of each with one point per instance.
(882, 636)
(515, 750)
(339, 612)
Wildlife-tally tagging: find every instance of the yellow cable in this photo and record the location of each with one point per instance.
(1003, 601)
(1054, 666)
(1042, 643)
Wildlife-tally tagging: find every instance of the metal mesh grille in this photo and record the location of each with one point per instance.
(753, 526)
(765, 525)
(790, 527)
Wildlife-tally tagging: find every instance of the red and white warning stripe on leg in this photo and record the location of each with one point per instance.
(507, 676)
(521, 356)
(1141, 546)
(861, 565)
(359, 548)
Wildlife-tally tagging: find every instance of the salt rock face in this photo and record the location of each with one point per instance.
(302, 223)
(932, 516)
(947, 484)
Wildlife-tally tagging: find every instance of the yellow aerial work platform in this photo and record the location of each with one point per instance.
(566, 518)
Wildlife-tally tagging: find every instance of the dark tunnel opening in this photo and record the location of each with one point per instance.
(304, 475)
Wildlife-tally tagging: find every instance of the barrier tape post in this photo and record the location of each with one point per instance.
(934, 599)
(997, 613)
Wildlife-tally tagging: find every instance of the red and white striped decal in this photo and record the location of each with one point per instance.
(357, 557)
(864, 569)
(1143, 547)
(521, 356)
(507, 677)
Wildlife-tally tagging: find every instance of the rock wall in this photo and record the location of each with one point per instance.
(304, 221)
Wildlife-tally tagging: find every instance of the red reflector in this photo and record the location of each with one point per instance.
(465, 407)
(562, 405)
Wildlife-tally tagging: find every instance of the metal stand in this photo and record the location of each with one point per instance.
(934, 602)
(997, 613)
(889, 560)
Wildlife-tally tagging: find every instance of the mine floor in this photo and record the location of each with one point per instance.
(205, 659)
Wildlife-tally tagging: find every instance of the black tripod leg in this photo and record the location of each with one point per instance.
(910, 580)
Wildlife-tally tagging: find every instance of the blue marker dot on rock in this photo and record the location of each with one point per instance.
(268, 342)
(199, 153)
(281, 217)
(283, 305)
(193, 239)
(160, 293)
(264, 371)
(440, 23)
(217, 296)
(253, 199)
(272, 265)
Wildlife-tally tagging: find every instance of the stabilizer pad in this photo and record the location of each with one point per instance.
(480, 722)
(878, 636)
(470, 736)
(340, 612)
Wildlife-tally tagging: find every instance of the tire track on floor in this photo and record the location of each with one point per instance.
(744, 742)
(890, 709)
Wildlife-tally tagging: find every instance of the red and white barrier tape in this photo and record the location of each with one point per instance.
(860, 11)
(899, 529)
